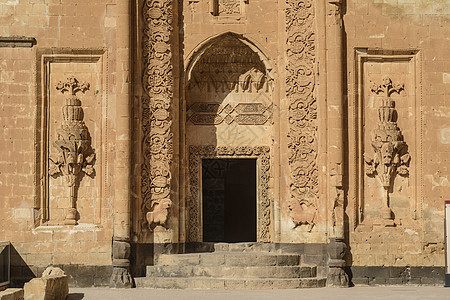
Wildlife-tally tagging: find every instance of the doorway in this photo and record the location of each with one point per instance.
(229, 200)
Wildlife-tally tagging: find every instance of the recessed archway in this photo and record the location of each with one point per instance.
(229, 105)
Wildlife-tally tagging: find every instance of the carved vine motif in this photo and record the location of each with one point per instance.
(391, 156)
(230, 66)
(197, 153)
(156, 111)
(76, 156)
(229, 7)
(210, 113)
(302, 134)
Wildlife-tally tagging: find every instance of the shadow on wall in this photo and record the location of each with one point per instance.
(20, 271)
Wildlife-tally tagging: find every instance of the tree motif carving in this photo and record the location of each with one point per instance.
(76, 156)
(391, 155)
(300, 83)
(156, 112)
(196, 153)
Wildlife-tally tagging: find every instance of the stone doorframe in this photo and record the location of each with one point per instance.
(264, 200)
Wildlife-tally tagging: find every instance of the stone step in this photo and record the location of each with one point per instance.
(221, 283)
(229, 259)
(223, 271)
(245, 247)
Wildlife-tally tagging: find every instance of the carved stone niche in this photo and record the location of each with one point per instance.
(229, 95)
(71, 137)
(387, 126)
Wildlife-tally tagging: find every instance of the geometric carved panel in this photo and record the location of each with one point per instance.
(387, 127)
(59, 197)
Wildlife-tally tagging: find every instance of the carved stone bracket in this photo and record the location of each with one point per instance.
(197, 153)
(76, 156)
(156, 112)
(391, 156)
(302, 134)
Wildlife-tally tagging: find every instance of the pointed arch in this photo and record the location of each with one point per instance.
(195, 55)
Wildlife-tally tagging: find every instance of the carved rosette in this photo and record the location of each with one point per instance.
(156, 111)
(390, 151)
(197, 153)
(300, 83)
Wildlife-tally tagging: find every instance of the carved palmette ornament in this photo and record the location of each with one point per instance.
(300, 83)
(390, 151)
(75, 155)
(156, 112)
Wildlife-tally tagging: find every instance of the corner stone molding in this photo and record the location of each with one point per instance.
(391, 155)
(302, 135)
(156, 112)
(76, 156)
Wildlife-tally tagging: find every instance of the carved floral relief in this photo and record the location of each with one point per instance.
(300, 83)
(229, 7)
(156, 112)
(391, 155)
(76, 156)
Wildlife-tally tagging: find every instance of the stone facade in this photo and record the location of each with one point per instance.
(109, 107)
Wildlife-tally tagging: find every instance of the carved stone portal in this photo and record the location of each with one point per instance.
(391, 155)
(76, 156)
(197, 153)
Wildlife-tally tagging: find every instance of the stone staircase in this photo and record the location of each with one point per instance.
(232, 266)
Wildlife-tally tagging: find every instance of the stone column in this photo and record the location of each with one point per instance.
(335, 127)
(121, 240)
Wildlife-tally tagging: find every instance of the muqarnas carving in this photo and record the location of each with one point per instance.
(391, 155)
(76, 156)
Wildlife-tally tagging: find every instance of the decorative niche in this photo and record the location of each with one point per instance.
(387, 133)
(71, 135)
(228, 10)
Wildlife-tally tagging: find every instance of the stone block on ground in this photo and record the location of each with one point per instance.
(53, 285)
(11, 294)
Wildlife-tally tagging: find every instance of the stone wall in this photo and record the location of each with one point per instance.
(405, 41)
(290, 104)
(73, 38)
